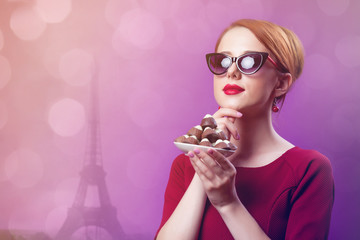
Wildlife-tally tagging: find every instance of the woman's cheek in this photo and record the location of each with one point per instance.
(218, 92)
(219, 99)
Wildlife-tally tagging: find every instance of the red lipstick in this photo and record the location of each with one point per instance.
(232, 89)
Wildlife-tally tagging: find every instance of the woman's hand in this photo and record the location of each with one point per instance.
(217, 175)
(225, 118)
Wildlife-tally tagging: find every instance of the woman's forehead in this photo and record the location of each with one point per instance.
(238, 40)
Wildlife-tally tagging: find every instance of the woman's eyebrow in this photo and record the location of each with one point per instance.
(230, 53)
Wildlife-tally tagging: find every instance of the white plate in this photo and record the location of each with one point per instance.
(186, 147)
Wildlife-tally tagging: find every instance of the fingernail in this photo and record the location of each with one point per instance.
(210, 151)
(239, 114)
(191, 154)
(197, 151)
(237, 136)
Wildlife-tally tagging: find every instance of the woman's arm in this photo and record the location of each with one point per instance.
(240, 222)
(218, 178)
(312, 200)
(184, 223)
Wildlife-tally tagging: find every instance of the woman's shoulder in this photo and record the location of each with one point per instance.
(182, 169)
(302, 156)
(181, 159)
(307, 161)
(181, 162)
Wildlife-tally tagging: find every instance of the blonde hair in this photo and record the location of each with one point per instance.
(282, 43)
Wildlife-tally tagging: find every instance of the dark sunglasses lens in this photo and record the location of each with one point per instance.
(250, 63)
(219, 63)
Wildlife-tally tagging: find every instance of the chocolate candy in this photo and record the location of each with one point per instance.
(221, 144)
(196, 131)
(208, 121)
(230, 145)
(221, 134)
(192, 140)
(207, 134)
(205, 142)
(181, 138)
(210, 134)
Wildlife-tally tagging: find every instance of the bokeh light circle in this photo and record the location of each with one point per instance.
(76, 67)
(162, 8)
(115, 9)
(333, 7)
(24, 168)
(1, 40)
(55, 219)
(141, 28)
(145, 107)
(3, 114)
(321, 70)
(347, 50)
(124, 48)
(53, 11)
(5, 72)
(26, 23)
(66, 117)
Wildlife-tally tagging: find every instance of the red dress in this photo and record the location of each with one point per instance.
(290, 198)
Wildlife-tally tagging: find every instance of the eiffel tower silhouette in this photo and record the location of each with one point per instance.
(92, 177)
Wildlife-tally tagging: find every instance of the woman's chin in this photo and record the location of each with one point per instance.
(236, 107)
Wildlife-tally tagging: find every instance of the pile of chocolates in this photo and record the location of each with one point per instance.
(207, 134)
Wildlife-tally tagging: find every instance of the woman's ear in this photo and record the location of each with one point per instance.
(283, 84)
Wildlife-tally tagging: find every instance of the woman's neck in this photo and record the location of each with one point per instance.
(258, 138)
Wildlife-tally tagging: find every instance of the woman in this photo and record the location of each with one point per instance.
(269, 188)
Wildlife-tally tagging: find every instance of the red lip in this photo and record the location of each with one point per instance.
(232, 89)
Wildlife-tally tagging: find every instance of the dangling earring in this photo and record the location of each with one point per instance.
(275, 108)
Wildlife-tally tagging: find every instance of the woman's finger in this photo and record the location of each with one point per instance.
(228, 127)
(210, 161)
(225, 117)
(227, 112)
(223, 162)
(200, 167)
(231, 119)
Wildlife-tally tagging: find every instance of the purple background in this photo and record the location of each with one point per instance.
(154, 85)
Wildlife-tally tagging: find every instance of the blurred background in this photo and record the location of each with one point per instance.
(148, 58)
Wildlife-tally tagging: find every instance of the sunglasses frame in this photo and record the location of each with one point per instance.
(264, 56)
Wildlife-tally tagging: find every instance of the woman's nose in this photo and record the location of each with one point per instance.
(233, 72)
